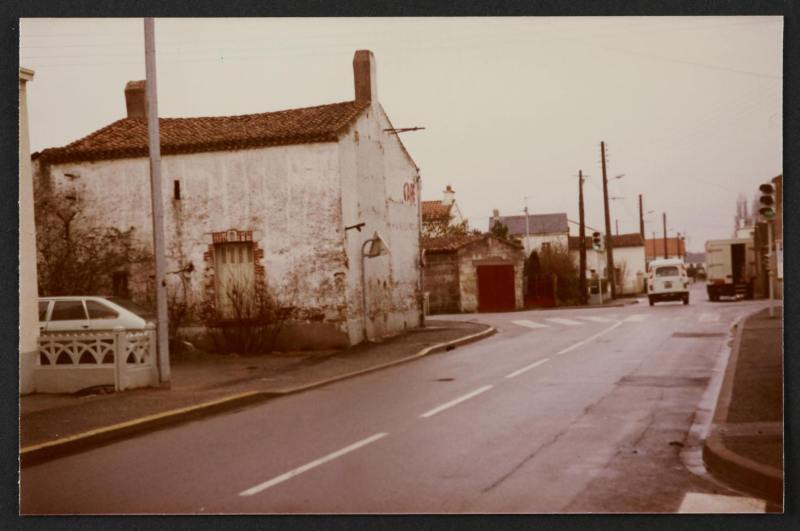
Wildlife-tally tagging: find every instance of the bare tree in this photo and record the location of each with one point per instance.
(251, 320)
(75, 255)
(444, 227)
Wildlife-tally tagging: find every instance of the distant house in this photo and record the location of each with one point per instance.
(540, 231)
(472, 273)
(629, 261)
(265, 203)
(440, 215)
(654, 248)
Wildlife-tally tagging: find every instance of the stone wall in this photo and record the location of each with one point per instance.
(441, 282)
(487, 252)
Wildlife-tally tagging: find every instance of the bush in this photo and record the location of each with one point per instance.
(249, 324)
(75, 255)
(556, 260)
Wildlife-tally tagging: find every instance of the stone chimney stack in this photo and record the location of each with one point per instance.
(364, 74)
(449, 196)
(135, 100)
(495, 214)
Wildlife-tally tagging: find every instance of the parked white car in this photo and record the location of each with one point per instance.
(667, 281)
(84, 313)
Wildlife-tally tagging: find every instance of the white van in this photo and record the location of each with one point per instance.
(667, 281)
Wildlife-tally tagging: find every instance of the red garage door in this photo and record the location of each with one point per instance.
(496, 288)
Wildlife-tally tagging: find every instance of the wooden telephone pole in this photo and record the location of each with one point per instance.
(664, 221)
(582, 238)
(609, 250)
(641, 217)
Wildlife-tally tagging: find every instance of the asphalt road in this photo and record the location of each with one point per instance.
(585, 410)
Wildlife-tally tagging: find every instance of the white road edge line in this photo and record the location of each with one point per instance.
(452, 403)
(527, 368)
(595, 336)
(308, 466)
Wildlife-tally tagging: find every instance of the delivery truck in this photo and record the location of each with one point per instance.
(730, 268)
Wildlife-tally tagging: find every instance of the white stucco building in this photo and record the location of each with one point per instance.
(440, 214)
(538, 232)
(268, 201)
(28, 289)
(629, 260)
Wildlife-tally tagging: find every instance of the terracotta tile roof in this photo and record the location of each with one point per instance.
(127, 138)
(444, 244)
(537, 223)
(435, 211)
(633, 239)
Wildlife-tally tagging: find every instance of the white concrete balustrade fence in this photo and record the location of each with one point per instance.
(69, 362)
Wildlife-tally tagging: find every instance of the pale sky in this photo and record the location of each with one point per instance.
(690, 108)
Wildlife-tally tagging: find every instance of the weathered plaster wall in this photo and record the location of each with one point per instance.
(534, 241)
(375, 175)
(487, 252)
(28, 286)
(632, 257)
(288, 196)
(441, 282)
(633, 260)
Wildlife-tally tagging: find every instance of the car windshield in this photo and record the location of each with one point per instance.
(667, 271)
(131, 306)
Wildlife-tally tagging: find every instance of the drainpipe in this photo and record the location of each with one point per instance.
(364, 285)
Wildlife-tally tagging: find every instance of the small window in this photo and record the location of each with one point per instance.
(668, 271)
(98, 310)
(68, 311)
(43, 309)
(119, 284)
(176, 190)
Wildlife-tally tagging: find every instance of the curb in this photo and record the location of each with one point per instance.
(50, 450)
(718, 459)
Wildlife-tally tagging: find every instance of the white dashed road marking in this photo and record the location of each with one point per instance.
(568, 322)
(595, 336)
(709, 317)
(452, 403)
(595, 318)
(527, 368)
(529, 324)
(698, 502)
(635, 318)
(313, 464)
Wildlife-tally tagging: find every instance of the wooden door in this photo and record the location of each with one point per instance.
(496, 288)
(235, 272)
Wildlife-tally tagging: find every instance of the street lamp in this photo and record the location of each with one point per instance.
(377, 247)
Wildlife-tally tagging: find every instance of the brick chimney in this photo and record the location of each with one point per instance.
(364, 75)
(135, 100)
(449, 196)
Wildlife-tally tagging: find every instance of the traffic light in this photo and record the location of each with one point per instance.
(767, 201)
(597, 243)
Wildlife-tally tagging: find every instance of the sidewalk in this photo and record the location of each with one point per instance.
(745, 445)
(202, 384)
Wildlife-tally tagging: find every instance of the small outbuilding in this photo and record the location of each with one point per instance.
(472, 273)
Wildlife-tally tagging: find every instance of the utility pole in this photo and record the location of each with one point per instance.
(655, 250)
(527, 229)
(664, 219)
(641, 217)
(616, 223)
(582, 238)
(153, 136)
(609, 250)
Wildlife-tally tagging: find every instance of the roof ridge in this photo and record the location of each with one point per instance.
(127, 138)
